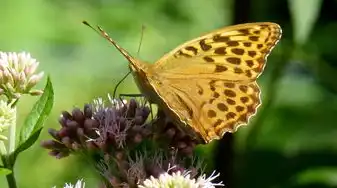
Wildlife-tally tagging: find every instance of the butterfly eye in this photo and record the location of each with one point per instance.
(157, 81)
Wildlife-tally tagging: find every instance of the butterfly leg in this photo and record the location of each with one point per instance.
(123, 96)
(131, 95)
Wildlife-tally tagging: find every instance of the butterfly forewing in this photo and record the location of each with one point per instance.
(238, 51)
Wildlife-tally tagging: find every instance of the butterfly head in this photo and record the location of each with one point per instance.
(136, 66)
(140, 72)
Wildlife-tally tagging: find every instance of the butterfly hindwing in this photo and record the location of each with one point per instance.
(212, 107)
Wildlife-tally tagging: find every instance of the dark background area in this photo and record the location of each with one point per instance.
(292, 140)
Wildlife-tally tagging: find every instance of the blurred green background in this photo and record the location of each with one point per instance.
(292, 142)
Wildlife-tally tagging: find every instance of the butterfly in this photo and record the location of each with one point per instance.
(208, 83)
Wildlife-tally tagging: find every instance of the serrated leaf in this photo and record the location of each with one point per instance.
(33, 124)
(304, 14)
(5, 171)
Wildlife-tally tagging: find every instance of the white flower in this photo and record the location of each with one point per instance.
(100, 105)
(79, 184)
(181, 180)
(7, 117)
(118, 103)
(17, 74)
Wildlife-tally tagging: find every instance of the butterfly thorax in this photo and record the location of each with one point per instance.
(141, 72)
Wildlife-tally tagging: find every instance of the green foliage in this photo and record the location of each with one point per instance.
(4, 171)
(324, 175)
(304, 16)
(35, 120)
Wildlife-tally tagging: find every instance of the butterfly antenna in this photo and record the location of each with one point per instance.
(141, 40)
(138, 51)
(105, 35)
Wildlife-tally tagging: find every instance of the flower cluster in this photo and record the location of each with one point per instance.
(17, 74)
(180, 179)
(99, 128)
(125, 147)
(7, 117)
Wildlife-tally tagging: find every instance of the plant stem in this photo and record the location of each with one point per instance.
(7, 159)
(10, 177)
(11, 180)
(12, 135)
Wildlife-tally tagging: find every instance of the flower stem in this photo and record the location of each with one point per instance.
(11, 180)
(7, 159)
(10, 177)
(12, 135)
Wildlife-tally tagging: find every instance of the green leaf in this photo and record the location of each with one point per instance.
(323, 175)
(29, 142)
(33, 125)
(304, 14)
(5, 171)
